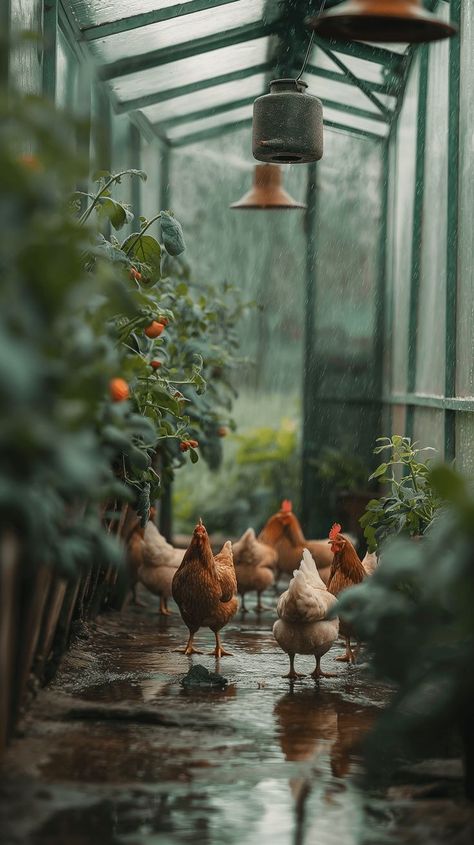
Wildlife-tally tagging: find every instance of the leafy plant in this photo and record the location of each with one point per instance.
(340, 470)
(261, 469)
(411, 503)
(415, 614)
(176, 345)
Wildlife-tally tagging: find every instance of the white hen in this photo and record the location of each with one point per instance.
(160, 560)
(302, 627)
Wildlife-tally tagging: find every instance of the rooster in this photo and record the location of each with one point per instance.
(254, 564)
(284, 533)
(347, 570)
(204, 589)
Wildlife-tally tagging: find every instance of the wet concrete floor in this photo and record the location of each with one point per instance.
(117, 752)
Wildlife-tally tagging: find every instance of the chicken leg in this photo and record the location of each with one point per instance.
(318, 673)
(243, 609)
(292, 675)
(260, 608)
(189, 647)
(164, 607)
(219, 650)
(349, 656)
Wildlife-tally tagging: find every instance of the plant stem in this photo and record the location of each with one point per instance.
(140, 235)
(97, 197)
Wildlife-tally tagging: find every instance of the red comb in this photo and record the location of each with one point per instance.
(286, 506)
(335, 530)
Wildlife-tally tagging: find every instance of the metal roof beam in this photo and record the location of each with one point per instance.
(181, 90)
(178, 52)
(360, 83)
(367, 52)
(217, 131)
(224, 108)
(376, 87)
(115, 27)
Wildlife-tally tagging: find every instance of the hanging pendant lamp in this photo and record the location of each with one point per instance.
(267, 192)
(405, 21)
(287, 124)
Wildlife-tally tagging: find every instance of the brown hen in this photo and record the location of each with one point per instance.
(347, 570)
(204, 589)
(284, 533)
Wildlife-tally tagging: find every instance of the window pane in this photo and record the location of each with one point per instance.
(201, 67)
(183, 29)
(235, 115)
(218, 95)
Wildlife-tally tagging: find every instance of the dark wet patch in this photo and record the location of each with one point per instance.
(118, 752)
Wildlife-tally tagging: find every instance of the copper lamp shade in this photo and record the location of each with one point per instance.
(267, 192)
(405, 21)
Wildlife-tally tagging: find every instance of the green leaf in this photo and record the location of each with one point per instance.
(172, 234)
(118, 214)
(147, 250)
(381, 470)
(194, 456)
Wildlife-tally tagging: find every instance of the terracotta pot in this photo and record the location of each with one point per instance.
(9, 596)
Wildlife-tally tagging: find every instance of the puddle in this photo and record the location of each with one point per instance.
(258, 762)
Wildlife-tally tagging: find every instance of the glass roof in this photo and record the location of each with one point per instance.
(194, 66)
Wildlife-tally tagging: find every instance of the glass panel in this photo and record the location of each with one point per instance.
(432, 304)
(25, 63)
(341, 92)
(401, 229)
(210, 122)
(465, 374)
(67, 70)
(200, 67)
(179, 30)
(465, 443)
(428, 429)
(353, 122)
(216, 96)
(150, 190)
(90, 12)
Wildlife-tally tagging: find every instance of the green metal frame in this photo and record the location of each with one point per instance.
(359, 83)
(5, 25)
(178, 52)
(310, 384)
(190, 88)
(94, 32)
(50, 52)
(414, 297)
(453, 231)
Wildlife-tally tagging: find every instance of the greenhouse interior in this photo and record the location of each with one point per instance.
(236, 313)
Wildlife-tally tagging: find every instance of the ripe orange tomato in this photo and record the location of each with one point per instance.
(154, 329)
(119, 389)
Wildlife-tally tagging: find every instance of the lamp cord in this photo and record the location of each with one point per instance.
(311, 40)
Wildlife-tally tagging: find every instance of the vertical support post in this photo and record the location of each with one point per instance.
(309, 369)
(166, 503)
(5, 30)
(380, 310)
(417, 233)
(135, 162)
(452, 232)
(50, 30)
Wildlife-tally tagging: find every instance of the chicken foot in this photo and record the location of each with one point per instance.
(189, 647)
(318, 673)
(135, 600)
(164, 611)
(292, 675)
(243, 609)
(219, 650)
(349, 656)
(260, 608)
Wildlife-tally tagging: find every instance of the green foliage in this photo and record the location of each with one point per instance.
(415, 614)
(411, 503)
(54, 366)
(341, 471)
(262, 468)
